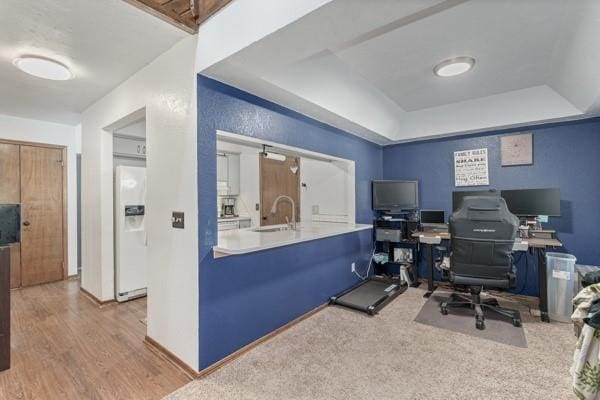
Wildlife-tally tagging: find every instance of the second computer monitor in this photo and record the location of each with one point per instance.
(533, 202)
(457, 197)
(432, 217)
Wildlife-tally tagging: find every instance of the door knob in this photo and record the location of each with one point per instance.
(26, 223)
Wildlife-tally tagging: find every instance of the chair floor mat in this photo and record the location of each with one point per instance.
(497, 327)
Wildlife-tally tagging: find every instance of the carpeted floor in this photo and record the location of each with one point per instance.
(342, 354)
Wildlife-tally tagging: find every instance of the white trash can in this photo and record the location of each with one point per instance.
(560, 272)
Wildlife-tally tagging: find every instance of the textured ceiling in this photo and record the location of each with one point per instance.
(366, 67)
(103, 42)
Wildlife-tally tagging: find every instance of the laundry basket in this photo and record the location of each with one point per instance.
(560, 268)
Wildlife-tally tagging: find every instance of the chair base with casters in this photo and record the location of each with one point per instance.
(479, 305)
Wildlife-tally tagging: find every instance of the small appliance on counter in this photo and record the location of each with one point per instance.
(228, 207)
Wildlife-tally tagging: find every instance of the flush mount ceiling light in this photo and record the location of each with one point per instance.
(454, 66)
(43, 68)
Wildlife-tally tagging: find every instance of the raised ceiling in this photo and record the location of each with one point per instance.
(367, 67)
(102, 42)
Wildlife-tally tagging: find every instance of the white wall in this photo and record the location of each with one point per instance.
(166, 89)
(30, 130)
(137, 129)
(327, 187)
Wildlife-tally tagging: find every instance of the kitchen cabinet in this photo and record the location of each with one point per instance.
(228, 174)
(222, 168)
(227, 224)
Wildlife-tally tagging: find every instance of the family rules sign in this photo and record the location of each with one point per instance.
(471, 167)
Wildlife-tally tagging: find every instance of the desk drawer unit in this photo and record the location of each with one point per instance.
(388, 235)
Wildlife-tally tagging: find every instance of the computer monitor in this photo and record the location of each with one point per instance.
(395, 195)
(432, 217)
(533, 202)
(457, 197)
(10, 223)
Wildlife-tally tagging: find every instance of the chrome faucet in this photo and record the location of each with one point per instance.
(291, 225)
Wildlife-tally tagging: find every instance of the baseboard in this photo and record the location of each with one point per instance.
(233, 356)
(172, 358)
(95, 300)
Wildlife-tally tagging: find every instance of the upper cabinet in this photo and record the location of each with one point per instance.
(222, 168)
(228, 174)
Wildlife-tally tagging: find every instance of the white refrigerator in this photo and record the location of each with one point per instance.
(130, 232)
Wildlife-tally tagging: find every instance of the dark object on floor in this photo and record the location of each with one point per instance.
(483, 232)
(4, 308)
(460, 320)
(371, 295)
(590, 278)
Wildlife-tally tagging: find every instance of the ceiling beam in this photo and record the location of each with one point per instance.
(184, 14)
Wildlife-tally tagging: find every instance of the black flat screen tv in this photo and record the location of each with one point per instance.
(395, 195)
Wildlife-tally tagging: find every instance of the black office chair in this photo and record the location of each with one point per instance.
(483, 232)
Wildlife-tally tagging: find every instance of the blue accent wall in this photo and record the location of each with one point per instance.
(566, 155)
(244, 297)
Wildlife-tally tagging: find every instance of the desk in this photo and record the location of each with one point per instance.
(538, 245)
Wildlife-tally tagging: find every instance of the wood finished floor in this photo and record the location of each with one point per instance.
(65, 347)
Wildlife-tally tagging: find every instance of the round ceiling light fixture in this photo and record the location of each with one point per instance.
(43, 68)
(454, 66)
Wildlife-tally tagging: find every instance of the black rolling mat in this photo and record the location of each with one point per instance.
(497, 327)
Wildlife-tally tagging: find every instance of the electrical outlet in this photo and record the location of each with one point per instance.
(353, 268)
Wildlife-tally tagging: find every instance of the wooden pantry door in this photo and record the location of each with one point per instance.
(42, 215)
(277, 178)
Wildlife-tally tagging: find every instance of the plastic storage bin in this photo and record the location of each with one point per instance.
(560, 268)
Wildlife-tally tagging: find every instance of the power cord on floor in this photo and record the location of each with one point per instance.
(368, 268)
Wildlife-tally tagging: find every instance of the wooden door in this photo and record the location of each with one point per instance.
(42, 239)
(15, 265)
(10, 185)
(277, 178)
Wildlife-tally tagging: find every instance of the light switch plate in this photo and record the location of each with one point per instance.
(315, 210)
(178, 220)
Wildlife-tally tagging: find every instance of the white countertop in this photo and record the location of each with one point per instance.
(241, 241)
(238, 218)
